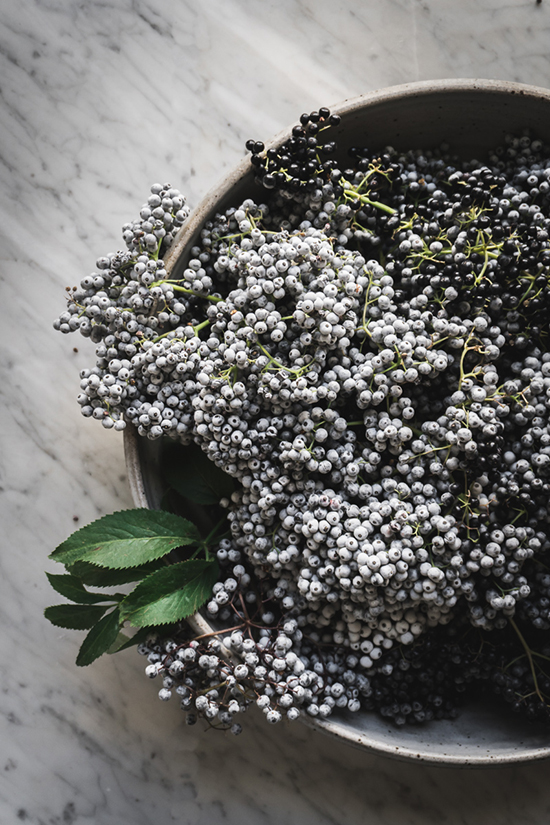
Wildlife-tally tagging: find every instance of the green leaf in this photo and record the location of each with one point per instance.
(191, 473)
(72, 588)
(99, 639)
(125, 539)
(171, 594)
(74, 616)
(122, 642)
(94, 576)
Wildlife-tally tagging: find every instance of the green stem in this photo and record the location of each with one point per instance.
(352, 194)
(158, 338)
(177, 288)
(155, 255)
(198, 328)
(427, 452)
(529, 658)
(196, 294)
(278, 363)
(368, 175)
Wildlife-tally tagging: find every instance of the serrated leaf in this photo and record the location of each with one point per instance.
(72, 588)
(191, 473)
(74, 616)
(99, 639)
(94, 576)
(126, 539)
(171, 594)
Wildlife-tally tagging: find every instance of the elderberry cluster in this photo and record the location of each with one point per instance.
(365, 351)
(119, 307)
(300, 163)
(265, 660)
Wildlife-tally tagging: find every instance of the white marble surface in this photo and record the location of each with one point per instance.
(97, 101)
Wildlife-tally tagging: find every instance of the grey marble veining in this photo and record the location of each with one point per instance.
(96, 102)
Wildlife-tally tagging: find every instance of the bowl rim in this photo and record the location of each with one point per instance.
(207, 204)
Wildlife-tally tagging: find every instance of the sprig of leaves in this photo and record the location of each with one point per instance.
(165, 553)
(129, 546)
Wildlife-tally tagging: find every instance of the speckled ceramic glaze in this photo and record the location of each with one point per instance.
(471, 116)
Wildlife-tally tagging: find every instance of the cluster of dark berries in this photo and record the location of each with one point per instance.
(365, 350)
(301, 163)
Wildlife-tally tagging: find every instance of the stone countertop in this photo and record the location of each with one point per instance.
(97, 101)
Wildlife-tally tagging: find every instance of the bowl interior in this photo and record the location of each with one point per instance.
(471, 117)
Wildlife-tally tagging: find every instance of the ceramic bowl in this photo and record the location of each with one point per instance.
(471, 116)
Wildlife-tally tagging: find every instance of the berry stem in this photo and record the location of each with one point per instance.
(198, 328)
(529, 658)
(352, 194)
(177, 288)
